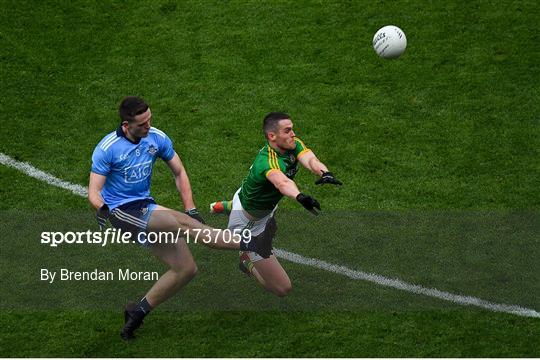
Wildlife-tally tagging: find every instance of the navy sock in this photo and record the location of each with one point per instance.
(143, 308)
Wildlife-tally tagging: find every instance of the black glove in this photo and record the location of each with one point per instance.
(309, 203)
(102, 214)
(194, 214)
(328, 178)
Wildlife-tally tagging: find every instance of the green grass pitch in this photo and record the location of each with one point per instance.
(438, 151)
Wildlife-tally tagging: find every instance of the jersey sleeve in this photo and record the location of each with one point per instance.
(301, 148)
(101, 163)
(166, 150)
(265, 162)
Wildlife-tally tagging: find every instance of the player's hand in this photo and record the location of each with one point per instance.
(102, 214)
(309, 203)
(194, 214)
(328, 178)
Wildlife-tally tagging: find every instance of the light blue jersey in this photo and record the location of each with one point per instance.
(128, 166)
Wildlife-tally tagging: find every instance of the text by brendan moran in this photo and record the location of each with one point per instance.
(97, 275)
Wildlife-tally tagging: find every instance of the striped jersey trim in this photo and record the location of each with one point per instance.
(154, 130)
(301, 143)
(303, 152)
(109, 145)
(108, 140)
(269, 171)
(272, 159)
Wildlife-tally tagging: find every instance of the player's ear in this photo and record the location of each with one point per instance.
(271, 135)
(124, 124)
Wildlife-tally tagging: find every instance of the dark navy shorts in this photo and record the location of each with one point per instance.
(133, 218)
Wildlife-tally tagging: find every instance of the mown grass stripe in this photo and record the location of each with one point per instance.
(312, 262)
(401, 285)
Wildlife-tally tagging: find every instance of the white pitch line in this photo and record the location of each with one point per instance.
(43, 176)
(401, 285)
(316, 263)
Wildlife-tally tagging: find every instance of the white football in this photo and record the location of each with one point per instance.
(389, 42)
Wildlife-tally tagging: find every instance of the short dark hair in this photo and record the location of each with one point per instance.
(130, 107)
(271, 121)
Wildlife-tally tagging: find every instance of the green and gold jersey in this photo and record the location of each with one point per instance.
(258, 194)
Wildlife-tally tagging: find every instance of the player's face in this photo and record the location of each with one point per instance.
(285, 135)
(141, 126)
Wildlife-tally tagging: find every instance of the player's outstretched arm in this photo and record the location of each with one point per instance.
(313, 164)
(184, 187)
(285, 185)
(310, 161)
(288, 188)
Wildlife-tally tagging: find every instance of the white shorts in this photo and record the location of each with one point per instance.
(238, 221)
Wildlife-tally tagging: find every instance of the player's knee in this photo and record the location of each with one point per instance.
(283, 290)
(186, 271)
(191, 270)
